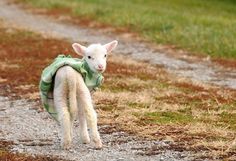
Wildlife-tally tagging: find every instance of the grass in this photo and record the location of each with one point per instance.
(206, 27)
(147, 102)
(228, 119)
(167, 117)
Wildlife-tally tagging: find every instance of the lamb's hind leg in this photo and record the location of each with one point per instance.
(60, 102)
(73, 103)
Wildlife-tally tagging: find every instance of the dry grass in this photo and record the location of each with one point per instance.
(7, 155)
(160, 106)
(136, 97)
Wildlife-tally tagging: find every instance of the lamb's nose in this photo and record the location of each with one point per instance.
(100, 66)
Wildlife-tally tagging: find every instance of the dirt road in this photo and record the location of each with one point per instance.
(36, 133)
(187, 66)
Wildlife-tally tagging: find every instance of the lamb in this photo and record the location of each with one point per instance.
(72, 97)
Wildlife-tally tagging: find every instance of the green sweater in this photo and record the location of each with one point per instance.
(92, 80)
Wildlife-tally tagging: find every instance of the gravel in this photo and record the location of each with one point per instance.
(35, 133)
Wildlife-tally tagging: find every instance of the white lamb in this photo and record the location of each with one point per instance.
(72, 97)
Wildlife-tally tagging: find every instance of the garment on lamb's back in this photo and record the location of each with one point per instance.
(92, 80)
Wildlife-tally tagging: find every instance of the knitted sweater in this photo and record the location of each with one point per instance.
(92, 80)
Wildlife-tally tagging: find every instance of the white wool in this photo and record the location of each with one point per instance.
(70, 84)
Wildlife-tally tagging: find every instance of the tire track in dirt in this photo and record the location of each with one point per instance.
(197, 70)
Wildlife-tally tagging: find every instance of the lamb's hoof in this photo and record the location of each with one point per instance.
(66, 145)
(98, 144)
(85, 140)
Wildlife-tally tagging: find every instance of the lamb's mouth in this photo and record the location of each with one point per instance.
(100, 70)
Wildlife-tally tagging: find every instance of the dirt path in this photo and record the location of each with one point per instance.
(38, 135)
(186, 66)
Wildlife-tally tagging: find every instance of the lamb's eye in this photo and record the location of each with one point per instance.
(105, 55)
(89, 57)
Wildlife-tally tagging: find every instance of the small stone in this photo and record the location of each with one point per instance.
(21, 145)
(120, 159)
(72, 150)
(162, 158)
(20, 150)
(29, 150)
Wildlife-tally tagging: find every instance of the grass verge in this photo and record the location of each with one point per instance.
(137, 97)
(199, 26)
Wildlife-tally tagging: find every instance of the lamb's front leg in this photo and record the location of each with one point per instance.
(63, 116)
(91, 116)
(66, 129)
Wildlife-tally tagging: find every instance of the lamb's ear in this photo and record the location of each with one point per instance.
(111, 46)
(79, 49)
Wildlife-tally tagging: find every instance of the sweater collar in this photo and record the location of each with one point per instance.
(90, 72)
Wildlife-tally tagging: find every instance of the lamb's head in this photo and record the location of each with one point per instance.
(95, 54)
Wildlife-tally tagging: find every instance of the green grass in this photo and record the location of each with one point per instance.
(200, 26)
(228, 119)
(167, 117)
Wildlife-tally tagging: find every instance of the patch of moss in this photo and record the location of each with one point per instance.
(162, 85)
(228, 119)
(167, 117)
(228, 107)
